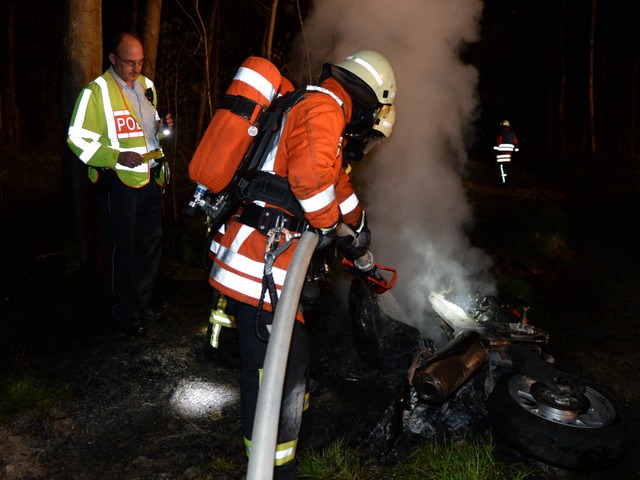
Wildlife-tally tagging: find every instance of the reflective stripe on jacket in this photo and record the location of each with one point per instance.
(103, 125)
(506, 144)
(309, 153)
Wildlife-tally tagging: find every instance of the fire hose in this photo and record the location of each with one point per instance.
(267, 415)
(265, 427)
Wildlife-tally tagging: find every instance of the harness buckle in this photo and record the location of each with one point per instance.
(275, 235)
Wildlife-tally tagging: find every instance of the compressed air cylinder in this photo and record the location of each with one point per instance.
(233, 127)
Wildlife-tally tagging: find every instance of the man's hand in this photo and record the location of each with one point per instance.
(167, 120)
(166, 124)
(130, 159)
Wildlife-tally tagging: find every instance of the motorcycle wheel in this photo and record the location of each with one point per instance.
(583, 432)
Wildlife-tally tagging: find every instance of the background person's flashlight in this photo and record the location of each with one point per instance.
(166, 129)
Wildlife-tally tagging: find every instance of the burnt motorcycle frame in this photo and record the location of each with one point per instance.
(552, 416)
(537, 409)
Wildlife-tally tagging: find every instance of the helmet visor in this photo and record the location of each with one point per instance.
(362, 119)
(358, 147)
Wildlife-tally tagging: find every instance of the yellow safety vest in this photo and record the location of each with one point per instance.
(103, 125)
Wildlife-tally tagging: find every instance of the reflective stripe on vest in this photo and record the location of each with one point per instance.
(121, 124)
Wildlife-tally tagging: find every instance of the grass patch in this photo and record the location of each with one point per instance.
(220, 468)
(24, 392)
(337, 462)
(468, 459)
(607, 366)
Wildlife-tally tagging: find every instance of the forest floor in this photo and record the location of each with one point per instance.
(159, 407)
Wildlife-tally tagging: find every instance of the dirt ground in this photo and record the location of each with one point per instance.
(159, 407)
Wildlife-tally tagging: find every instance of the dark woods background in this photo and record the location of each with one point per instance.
(564, 72)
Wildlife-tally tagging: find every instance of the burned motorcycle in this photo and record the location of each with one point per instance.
(546, 414)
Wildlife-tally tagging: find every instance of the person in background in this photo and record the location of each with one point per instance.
(505, 146)
(116, 131)
(331, 123)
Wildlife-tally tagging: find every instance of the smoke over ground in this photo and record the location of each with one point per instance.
(411, 184)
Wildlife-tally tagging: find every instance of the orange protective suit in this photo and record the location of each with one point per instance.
(309, 155)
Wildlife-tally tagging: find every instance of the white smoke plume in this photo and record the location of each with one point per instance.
(411, 184)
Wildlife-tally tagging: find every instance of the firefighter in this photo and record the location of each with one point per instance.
(506, 145)
(222, 336)
(305, 168)
(116, 131)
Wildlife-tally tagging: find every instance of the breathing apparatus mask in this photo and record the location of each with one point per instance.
(364, 111)
(358, 146)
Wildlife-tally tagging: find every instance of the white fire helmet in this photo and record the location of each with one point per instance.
(505, 123)
(375, 70)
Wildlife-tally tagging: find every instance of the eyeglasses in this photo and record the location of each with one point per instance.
(130, 63)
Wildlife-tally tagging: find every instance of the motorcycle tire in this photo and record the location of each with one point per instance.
(592, 440)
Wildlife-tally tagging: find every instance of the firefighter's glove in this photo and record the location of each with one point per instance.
(355, 246)
(327, 237)
(357, 243)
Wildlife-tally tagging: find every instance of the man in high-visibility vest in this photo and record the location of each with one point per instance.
(116, 131)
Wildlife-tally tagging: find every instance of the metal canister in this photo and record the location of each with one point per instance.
(450, 367)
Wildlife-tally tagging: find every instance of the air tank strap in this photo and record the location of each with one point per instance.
(275, 190)
(242, 106)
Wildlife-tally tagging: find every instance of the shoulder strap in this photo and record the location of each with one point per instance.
(273, 120)
(269, 123)
(250, 182)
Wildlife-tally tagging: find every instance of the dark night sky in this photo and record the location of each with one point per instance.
(518, 58)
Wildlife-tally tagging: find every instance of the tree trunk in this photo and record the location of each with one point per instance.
(150, 36)
(83, 63)
(10, 117)
(634, 131)
(215, 55)
(84, 45)
(592, 133)
(268, 49)
(562, 122)
(210, 32)
(133, 17)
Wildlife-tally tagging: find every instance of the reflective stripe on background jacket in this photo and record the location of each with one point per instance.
(103, 125)
(506, 144)
(309, 154)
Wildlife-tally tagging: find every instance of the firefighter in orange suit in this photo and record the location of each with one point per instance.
(222, 335)
(506, 145)
(342, 116)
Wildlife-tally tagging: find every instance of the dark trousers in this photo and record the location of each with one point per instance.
(252, 337)
(132, 222)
